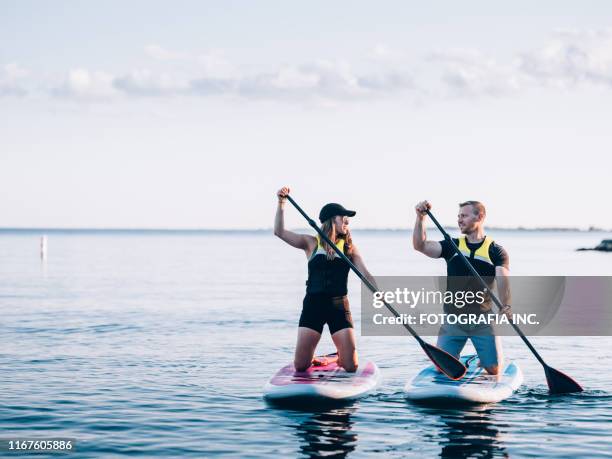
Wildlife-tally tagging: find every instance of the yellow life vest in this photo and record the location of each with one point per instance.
(320, 250)
(482, 253)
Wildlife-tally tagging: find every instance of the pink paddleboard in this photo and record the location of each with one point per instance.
(328, 381)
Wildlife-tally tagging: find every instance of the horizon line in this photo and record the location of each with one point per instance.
(251, 230)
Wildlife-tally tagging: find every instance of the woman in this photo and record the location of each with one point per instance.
(326, 288)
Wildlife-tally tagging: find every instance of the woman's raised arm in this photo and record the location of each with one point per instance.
(299, 241)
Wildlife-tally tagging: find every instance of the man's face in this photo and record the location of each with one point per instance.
(467, 220)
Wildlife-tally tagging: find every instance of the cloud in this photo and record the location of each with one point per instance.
(214, 64)
(316, 80)
(212, 86)
(468, 72)
(145, 83)
(83, 84)
(327, 80)
(12, 82)
(570, 58)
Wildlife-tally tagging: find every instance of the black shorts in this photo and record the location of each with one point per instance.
(319, 310)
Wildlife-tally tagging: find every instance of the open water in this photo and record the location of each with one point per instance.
(159, 344)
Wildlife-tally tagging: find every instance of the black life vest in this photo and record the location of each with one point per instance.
(327, 276)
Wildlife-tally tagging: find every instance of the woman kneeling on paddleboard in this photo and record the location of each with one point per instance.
(326, 288)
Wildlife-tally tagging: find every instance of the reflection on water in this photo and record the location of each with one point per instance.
(324, 433)
(469, 432)
(327, 433)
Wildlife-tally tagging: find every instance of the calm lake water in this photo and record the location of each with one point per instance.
(159, 344)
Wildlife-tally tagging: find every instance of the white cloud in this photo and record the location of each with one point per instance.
(317, 80)
(387, 82)
(323, 80)
(572, 57)
(212, 86)
(84, 84)
(146, 83)
(214, 64)
(468, 72)
(569, 59)
(12, 78)
(289, 78)
(14, 71)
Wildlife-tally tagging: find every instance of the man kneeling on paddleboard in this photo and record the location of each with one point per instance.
(490, 260)
(326, 288)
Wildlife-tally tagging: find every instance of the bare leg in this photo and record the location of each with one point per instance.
(492, 370)
(347, 354)
(305, 348)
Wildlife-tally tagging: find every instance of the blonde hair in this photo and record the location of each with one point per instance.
(329, 229)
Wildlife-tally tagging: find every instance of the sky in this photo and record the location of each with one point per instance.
(191, 114)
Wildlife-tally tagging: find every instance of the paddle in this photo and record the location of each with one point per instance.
(558, 382)
(445, 362)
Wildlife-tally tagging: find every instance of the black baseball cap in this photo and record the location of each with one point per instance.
(332, 209)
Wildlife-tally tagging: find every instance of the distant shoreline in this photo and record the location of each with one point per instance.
(268, 230)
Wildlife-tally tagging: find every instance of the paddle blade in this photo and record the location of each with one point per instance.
(445, 362)
(560, 383)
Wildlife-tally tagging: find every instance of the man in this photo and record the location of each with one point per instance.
(490, 260)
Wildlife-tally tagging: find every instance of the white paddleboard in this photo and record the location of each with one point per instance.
(477, 386)
(323, 383)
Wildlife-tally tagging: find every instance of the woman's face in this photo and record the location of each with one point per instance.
(341, 224)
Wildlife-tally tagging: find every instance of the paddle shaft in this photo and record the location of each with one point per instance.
(368, 284)
(484, 284)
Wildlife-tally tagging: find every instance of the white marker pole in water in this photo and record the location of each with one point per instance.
(43, 247)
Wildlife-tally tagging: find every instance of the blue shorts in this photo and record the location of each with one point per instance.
(452, 339)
